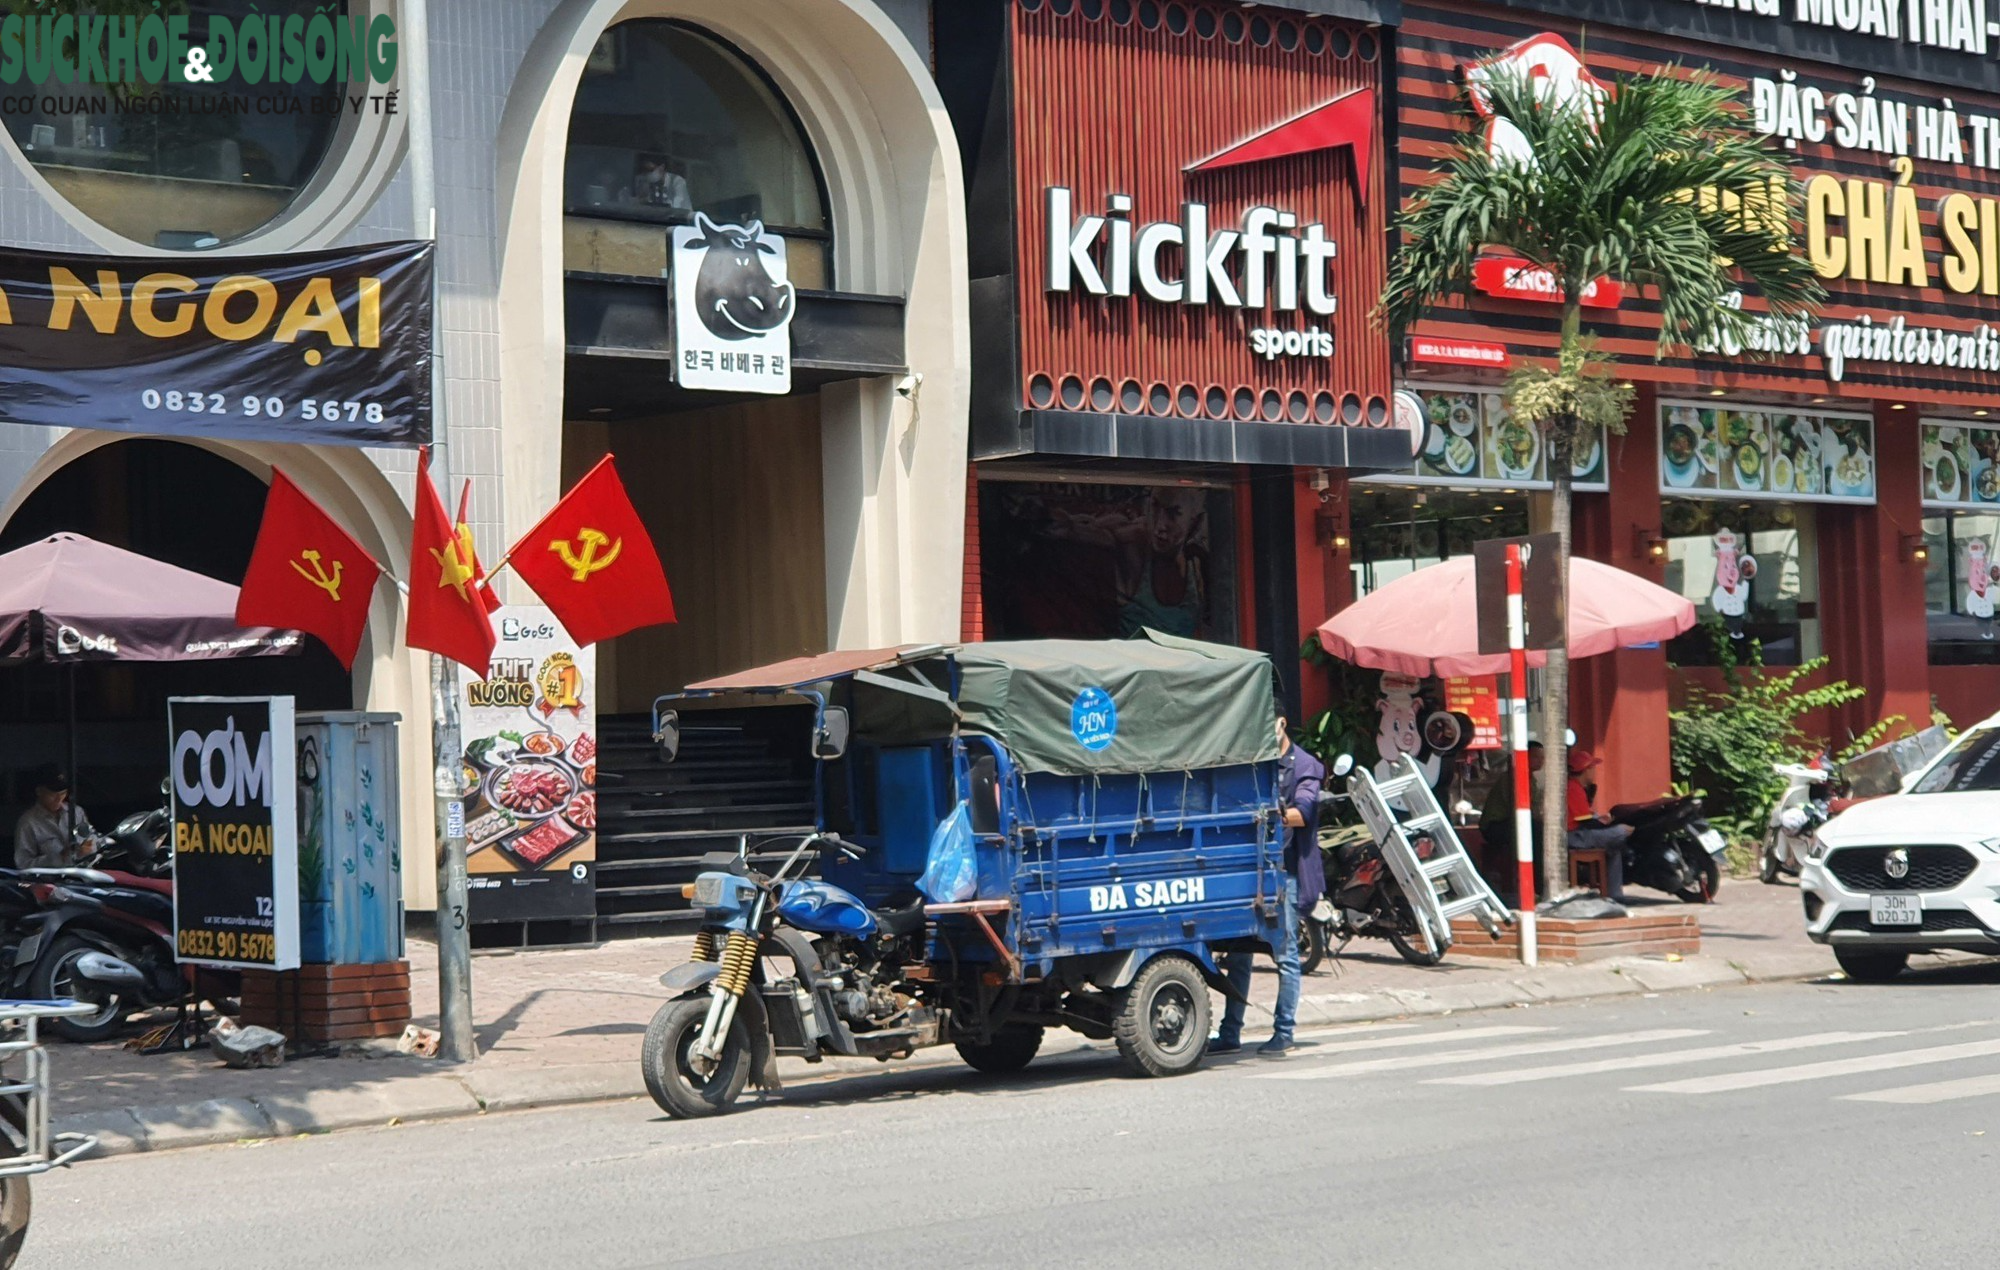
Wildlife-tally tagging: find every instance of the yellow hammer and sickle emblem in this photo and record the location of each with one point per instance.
(318, 575)
(586, 562)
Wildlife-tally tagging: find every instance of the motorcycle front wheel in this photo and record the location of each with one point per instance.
(1768, 863)
(14, 1210)
(684, 1086)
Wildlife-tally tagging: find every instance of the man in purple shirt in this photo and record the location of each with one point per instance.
(1299, 779)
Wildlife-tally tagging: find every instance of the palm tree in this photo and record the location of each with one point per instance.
(1656, 181)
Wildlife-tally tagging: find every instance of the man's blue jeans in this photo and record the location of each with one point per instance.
(1236, 965)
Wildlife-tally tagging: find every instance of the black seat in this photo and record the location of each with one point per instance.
(896, 921)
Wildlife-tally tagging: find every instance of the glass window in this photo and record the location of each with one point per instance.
(1399, 531)
(1752, 566)
(1960, 584)
(1063, 560)
(668, 122)
(1967, 767)
(190, 172)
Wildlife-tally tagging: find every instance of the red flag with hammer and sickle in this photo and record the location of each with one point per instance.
(447, 612)
(307, 573)
(592, 562)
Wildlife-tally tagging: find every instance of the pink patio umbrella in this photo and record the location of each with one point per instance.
(1425, 624)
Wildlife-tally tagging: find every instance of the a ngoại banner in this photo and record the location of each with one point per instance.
(329, 346)
(236, 863)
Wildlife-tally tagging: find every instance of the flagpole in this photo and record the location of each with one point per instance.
(454, 935)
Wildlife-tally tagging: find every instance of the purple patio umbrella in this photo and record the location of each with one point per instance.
(69, 600)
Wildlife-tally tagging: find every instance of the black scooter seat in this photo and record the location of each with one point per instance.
(904, 919)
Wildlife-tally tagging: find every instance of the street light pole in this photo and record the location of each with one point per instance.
(454, 940)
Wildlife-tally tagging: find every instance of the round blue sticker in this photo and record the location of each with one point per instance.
(1094, 719)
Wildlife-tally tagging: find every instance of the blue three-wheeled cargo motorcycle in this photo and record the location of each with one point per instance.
(1098, 819)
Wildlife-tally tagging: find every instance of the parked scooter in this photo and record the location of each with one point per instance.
(1805, 805)
(103, 932)
(101, 938)
(1672, 848)
(1363, 896)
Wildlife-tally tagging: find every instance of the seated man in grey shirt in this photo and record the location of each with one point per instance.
(46, 834)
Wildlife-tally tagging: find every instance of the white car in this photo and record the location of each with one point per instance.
(1915, 871)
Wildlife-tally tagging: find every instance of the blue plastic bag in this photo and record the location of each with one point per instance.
(951, 871)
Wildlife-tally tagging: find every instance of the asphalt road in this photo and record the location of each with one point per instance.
(1800, 1125)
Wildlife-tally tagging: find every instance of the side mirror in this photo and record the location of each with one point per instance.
(830, 739)
(984, 803)
(667, 734)
(1343, 765)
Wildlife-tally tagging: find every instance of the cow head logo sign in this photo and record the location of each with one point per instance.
(735, 295)
(733, 307)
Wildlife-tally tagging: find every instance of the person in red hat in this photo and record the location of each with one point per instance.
(1591, 830)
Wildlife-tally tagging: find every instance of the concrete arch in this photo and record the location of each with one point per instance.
(358, 494)
(893, 464)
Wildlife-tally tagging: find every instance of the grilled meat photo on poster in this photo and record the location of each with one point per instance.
(529, 771)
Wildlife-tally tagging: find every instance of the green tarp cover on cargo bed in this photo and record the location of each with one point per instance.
(1180, 704)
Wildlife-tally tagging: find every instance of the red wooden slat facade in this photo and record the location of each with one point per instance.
(1105, 104)
(1437, 39)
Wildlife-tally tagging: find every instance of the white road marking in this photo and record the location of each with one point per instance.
(1667, 1058)
(1404, 1062)
(1942, 1091)
(1427, 1038)
(1824, 1071)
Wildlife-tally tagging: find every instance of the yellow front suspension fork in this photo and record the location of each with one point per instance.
(739, 958)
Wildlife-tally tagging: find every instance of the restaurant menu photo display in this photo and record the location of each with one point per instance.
(529, 774)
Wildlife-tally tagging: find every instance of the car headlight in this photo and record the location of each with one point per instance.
(1816, 850)
(1992, 844)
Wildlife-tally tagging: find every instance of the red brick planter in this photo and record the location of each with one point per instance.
(1559, 940)
(330, 1003)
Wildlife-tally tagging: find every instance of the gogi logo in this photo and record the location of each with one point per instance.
(71, 642)
(735, 295)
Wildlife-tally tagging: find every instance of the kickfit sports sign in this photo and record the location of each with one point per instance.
(1200, 236)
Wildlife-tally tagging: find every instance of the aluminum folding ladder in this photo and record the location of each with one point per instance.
(1442, 887)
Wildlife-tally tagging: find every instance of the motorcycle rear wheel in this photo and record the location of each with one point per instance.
(675, 1078)
(56, 979)
(1703, 892)
(1162, 1020)
(1411, 949)
(1011, 1049)
(1312, 945)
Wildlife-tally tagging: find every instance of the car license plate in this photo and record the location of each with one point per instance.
(1895, 910)
(1712, 841)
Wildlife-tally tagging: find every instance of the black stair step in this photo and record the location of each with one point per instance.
(718, 809)
(720, 836)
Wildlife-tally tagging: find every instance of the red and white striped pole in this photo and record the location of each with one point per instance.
(1517, 714)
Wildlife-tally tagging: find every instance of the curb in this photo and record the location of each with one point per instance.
(468, 1092)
